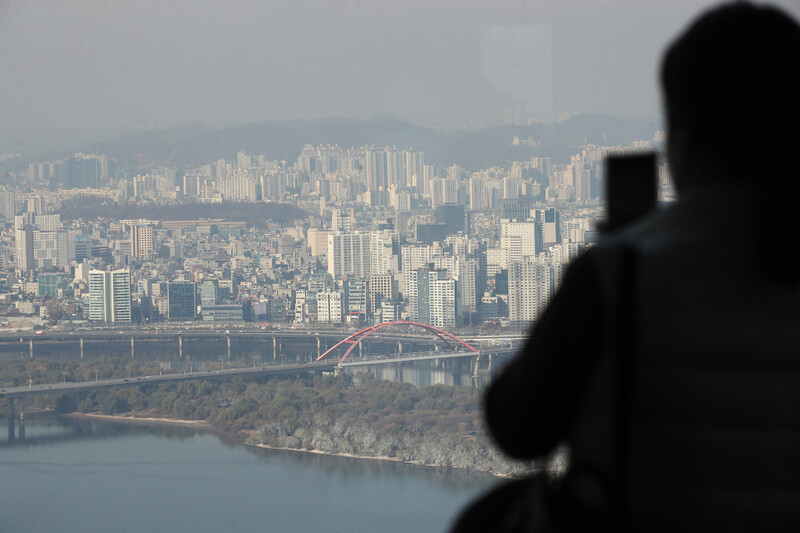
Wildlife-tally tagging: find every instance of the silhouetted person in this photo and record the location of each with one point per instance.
(699, 428)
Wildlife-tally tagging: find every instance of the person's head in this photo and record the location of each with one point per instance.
(731, 86)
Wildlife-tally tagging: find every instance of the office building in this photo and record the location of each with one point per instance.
(551, 226)
(181, 297)
(381, 287)
(356, 298)
(454, 217)
(224, 313)
(208, 293)
(430, 233)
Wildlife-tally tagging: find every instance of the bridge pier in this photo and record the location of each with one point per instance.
(81, 348)
(22, 419)
(319, 345)
(180, 347)
(399, 347)
(10, 419)
(31, 344)
(274, 349)
(133, 353)
(229, 348)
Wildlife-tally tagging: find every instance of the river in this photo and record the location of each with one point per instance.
(84, 475)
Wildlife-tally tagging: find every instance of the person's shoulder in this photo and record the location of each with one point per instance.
(664, 218)
(667, 223)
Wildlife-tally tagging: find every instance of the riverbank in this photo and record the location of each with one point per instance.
(371, 458)
(142, 419)
(242, 438)
(335, 454)
(361, 417)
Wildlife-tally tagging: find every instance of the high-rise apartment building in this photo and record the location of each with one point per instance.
(375, 169)
(529, 289)
(433, 297)
(349, 254)
(23, 235)
(521, 239)
(477, 194)
(384, 251)
(445, 302)
(414, 165)
(41, 243)
(110, 296)
(414, 256)
(8, 204)
(141, 240)
(467, 273)
(363, 254)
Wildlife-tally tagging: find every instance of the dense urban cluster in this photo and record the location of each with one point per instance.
(380, 235)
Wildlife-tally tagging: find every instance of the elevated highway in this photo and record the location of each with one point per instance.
(455, 349)
(195, 343)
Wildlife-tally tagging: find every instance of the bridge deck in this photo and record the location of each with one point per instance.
(269, 369)
(420, 356)
(83, 386)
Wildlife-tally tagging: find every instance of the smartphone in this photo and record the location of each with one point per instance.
(631, 188)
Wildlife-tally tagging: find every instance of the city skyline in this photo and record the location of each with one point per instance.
(116, 66)
(378, 234)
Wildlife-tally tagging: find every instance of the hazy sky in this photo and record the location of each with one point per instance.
(150, 63)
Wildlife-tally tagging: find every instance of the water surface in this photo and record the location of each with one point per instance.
(79, 475)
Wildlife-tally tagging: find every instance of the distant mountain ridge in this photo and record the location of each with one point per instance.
(283, 140)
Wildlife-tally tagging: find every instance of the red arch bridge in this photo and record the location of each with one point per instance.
(452, 342)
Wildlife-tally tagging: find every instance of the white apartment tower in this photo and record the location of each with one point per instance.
(529, 289)
(41, 243)
(521, 239)
(362, 254)
(349, 253)
(329, 307)
(110, 296)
